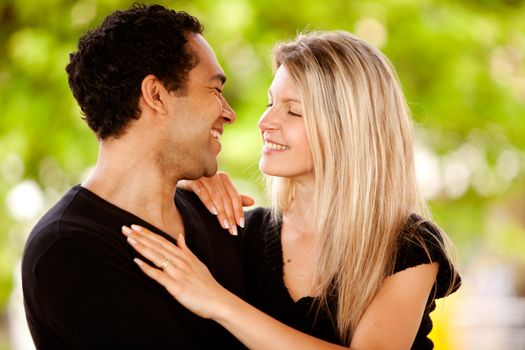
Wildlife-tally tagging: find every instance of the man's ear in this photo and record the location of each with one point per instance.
(152, 91)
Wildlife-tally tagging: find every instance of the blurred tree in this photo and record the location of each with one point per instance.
(462, 65)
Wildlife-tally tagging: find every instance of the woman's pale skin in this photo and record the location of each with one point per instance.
(392, 319)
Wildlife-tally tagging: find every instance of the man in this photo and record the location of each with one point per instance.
(150, 87)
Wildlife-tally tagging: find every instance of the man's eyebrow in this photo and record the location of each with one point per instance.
(220, 77)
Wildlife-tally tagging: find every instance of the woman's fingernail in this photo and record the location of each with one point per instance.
(132, 241)
(138, 261)
(225, 224)
(234, 230)
(241, 222)
(126, 230)
(214, 211)
(136, 228)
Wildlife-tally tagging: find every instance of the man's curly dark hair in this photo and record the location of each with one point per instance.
(106, 72)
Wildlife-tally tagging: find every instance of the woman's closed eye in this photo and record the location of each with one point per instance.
(293, 114)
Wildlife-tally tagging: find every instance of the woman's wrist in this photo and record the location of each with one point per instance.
(225, 309)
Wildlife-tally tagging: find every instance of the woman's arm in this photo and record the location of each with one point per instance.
(391, 321)
(190, 282)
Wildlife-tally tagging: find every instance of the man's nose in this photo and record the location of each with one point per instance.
(228, 114)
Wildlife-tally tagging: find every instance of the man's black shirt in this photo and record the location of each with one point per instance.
(82, 289)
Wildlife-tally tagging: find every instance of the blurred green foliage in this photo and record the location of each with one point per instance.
(461, 63)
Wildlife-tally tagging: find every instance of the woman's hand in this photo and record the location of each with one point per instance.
(190, 282)
(179, 271)
(221, 198)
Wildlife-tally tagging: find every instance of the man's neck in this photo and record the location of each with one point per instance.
(134, 183)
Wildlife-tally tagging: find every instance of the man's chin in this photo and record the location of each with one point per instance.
(212, 170)
(208, 170)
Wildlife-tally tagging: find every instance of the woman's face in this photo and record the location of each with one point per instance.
(286, 150)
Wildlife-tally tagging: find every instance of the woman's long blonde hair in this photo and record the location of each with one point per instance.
(361, 138)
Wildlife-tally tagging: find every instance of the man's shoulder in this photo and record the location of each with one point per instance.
(259, 219)
(187, 198)
(73, 219)
(48, 228)
(203, 227)
(212, 244)
(195, 214)
(259, 214)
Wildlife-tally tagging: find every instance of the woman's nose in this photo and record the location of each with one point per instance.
(268, 121)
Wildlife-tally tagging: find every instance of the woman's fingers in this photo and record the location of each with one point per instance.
(237, 201)
(164, 261)
(220, 198)
(181, 243)
(189, 281)
(159, 276)
(149, 238)
(163, 254)
(212, 194)
(148, 235)
(233, 201)
(247, 201)
(201, 191)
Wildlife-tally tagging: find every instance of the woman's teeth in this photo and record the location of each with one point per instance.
(276, 146)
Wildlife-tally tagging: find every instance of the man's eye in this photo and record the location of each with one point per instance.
(218, 90)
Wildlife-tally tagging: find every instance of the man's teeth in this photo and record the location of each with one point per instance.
(215, 134)
(276, 146)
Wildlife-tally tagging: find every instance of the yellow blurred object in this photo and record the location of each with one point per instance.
(443, 333)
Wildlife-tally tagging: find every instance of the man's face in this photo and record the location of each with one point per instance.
(196, 120)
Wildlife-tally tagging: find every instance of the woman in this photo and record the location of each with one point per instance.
(341, 259)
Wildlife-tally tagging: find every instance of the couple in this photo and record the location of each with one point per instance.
(341, 260)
